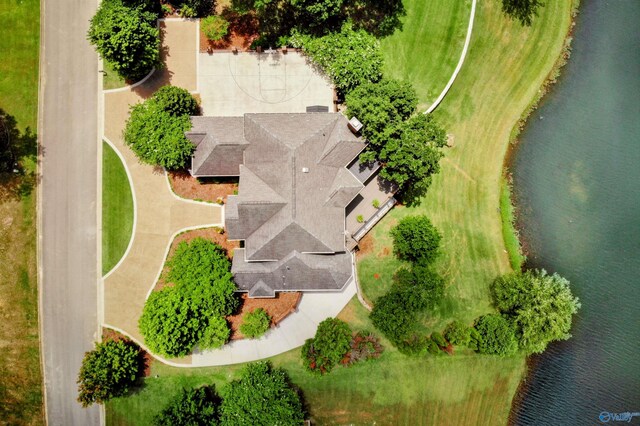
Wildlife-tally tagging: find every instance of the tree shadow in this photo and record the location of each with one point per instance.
(18, 150)
(378, 17)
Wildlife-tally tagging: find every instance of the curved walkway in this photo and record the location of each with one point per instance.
(159, 214)
(460, 62)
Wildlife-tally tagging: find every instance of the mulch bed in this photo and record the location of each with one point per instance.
(203, 189)
(278, 307)
(145, 358)
(243, 30)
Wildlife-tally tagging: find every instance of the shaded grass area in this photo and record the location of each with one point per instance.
(395, 389)
(110, 78)
(20, 375)
(117, 209)
(427, 49)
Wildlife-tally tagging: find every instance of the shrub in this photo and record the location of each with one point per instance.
(437, 338)
(415, 239)
(457, 333)
(375, 203)
(215, 27)
(176, 318)
(350, 57)
(126, 37)
(157, 137)
(539, 306)
(497, 335)
(107, 372)
(328, 347)
(475, 339)
(415, 344)
(166, 9)
(262, 396)
(191, 407)
(194, 8)
(255, 323)
(215, 334)
(432, 347)
(359, 218)
(176, 101)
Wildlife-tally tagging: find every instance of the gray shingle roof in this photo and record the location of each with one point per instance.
(294, 187)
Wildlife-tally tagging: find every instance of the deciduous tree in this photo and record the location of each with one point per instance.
(192, 407)
(262, 396)
(107, 371)
(415, 239)
(328, 347)
(522, 10)
(127, 37)
(540, 307)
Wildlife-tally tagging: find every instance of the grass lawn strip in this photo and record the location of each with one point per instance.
(117, 209)
(20, 374)
(428, 48)
(110, 78)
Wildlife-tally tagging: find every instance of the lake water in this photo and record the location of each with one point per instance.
(577, 186)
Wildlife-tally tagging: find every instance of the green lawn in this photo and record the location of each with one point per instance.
(117, 208)
(20, 375)
(464, 389)
(427, 50)
(505, 67)
(110, 78)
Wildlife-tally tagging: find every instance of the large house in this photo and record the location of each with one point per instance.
(293, 190)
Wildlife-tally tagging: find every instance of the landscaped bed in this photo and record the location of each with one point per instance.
(243, 30)
(278, 307)
(204, 189)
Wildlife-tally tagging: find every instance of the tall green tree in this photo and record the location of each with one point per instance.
(318, 16)
(522, 10)
(540, 307)
(411, 155)
(416, 239)
(262, 396)
(107, 371)
(380, 107)
(127, 37)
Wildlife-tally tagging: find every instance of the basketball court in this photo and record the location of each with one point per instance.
(233, 84)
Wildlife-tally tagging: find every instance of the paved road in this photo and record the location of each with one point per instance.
(68, 134)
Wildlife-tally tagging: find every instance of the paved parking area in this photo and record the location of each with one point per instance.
(233, 84)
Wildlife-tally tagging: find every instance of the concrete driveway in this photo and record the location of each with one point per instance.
(234, 84)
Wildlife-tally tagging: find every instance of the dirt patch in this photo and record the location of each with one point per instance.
(365, 246)
(144, 358)
(243, 30)
(278, 308)
(384, 252)
(201, 189)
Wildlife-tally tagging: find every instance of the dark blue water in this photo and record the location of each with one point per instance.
(577, 186)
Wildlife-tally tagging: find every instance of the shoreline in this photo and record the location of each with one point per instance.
(549, 82)
(552, 78)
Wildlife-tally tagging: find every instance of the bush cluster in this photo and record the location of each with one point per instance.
(155, 130)
(262, 395)
(328, 347)
(191, 311)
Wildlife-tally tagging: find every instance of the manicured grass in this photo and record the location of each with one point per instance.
(505, 68)
(427, 50)
(20, 375)
(117, 208)
(394, 389)
(110, 78)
